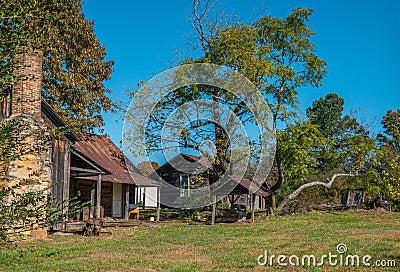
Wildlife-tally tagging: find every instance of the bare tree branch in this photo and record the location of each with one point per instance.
(200, 20)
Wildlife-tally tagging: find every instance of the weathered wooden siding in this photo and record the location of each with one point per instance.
(106, 198)
(85, 186)
(60, 171)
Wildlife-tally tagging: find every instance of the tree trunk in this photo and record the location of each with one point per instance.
(281, 177)
(273, 203)
(307, 185)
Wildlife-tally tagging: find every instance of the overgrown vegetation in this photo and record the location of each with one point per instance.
(382, 176)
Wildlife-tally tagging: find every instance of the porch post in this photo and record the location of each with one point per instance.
(144, 197)
(126, 201)
(98, 200)
(158, 204)
(66, 180)
(92, 196)
(253, 202)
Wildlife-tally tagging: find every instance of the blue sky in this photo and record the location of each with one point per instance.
(360, 41)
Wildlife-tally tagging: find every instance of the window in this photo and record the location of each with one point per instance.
(184, 185)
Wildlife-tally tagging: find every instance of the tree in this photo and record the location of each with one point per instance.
(275, 54)
(382, 177)
(391, 124)
(329, 143)
(74, 69)
(278, 56)
(74, 65)
(327, 114)
(383, 174)
(344, 135)
(299, 143)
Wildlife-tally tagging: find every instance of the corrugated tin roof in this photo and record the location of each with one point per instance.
(102, 151)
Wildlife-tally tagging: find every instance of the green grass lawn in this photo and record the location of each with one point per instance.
(175, 246)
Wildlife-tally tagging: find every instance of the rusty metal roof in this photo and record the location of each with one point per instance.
(102, 151)
(251, 187)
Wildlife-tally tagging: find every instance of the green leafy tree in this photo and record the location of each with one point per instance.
(345, 137)
(275, 54)
(327, 114)
(383, 174)
(298, 144)
(74, 65)
(382, 178)
(297, 147)
(391, 136)
(278, 56)
(328, 144)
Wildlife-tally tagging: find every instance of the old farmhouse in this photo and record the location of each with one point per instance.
(183, 178)
(89, 167)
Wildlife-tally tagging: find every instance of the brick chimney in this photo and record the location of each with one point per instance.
(27, 91)
(31, 138)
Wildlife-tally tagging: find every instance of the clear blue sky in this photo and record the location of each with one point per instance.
(360, 40)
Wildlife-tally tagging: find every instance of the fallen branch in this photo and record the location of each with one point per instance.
(311, 184)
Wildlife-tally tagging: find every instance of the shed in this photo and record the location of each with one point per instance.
(353, 197)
